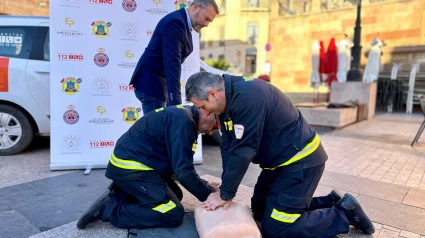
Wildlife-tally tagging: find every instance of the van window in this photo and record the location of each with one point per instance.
(46, 47)
(16, 42)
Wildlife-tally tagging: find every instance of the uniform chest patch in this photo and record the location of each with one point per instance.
(239, 129)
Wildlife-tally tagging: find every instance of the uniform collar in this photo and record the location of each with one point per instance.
(188, 20)
(195, 115)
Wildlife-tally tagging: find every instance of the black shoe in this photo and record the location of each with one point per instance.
(334, 196)
(355, 214)
(95, 211)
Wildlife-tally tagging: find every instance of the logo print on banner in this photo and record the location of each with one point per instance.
(129, 5)
(101, 59)
(101, 120)
(126, 88)
(101, 28)
(70, 3)
(129, 31)
(149, 32)
(71, 116)
(67, 32)
(70, 145)
(70, 85)
(70, 57)
(101, 87)
(102, 144)
(129, 64)
(101, 2)
(130, 114)
(156, 2)
(181, 4)
(156, 11)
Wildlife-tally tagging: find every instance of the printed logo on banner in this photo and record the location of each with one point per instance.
(71, 85)
(71, 117)
(70, 3)
(102, 144)
(128, 64)
(101, 120)
(149, 32)
(101, 87)
(130, 114)
(70, 57)
(157, 11)
(101, 28)
(129, 5)
(101, 59)
(129, 31)
(68, 32)
(126, 88)
(101, 2)
(181, 4)
(71, 145)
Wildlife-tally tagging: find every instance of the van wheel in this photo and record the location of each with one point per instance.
(16, 132)
(216, 135)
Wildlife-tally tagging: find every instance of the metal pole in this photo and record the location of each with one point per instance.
(354, 74)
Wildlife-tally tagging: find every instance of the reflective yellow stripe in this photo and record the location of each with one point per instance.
(248, 79)
(179, 106)
(284, 217)
(307, 150)
(230, 124)
(128, 164)
(159, 109)
(163, 208)
(194, 147)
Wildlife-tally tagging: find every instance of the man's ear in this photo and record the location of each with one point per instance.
(212, 92)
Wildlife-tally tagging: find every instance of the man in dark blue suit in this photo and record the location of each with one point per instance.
(156, 78)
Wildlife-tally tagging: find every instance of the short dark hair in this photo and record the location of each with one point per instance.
(206, 3)
(198, 84)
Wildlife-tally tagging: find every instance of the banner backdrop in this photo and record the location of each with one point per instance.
(95, 46)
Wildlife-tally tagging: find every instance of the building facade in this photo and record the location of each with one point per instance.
(296, 24)
(25, 7)
(239, 35)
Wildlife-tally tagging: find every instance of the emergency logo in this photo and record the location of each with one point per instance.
(181, 4)
(156, 11)
(101, 59)
(71, 145)
(102, 144)
(71, 85)
(71, 117)
(128, 64)
(130, 114)
(70, 57)
(101, 2)
(69, 31)
(129, 5)
(149, 32)
(101, 87)
(129, 31)
(126, 88)
(101, 120)
(101, 28)
(70, 3)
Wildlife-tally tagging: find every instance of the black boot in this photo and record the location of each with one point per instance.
(355, 214)
(334, 196)
(95, 211)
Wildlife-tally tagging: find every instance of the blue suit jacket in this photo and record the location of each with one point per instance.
(158, 71)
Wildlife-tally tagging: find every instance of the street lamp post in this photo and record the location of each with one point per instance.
(354, 74)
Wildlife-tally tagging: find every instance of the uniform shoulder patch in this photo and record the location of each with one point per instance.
(239, 129)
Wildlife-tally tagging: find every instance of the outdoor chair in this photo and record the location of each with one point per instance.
(421, 129)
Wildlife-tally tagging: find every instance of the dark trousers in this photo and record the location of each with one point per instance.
(145, 202)
(284, 203)
(149, 103)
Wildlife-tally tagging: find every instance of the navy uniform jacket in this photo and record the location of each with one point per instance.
(267, 130)
(158, 71)
(162, 141)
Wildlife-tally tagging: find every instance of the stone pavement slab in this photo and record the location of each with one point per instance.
(415, 197)
(10, 219)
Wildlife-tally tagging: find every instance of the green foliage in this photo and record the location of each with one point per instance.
(218, 64)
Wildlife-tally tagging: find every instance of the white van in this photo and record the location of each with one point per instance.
(24, 81)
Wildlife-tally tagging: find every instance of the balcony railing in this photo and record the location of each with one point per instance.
(294, 7)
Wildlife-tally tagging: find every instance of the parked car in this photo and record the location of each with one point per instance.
(25, 82)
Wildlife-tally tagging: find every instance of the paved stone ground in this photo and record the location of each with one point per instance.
(372, 160)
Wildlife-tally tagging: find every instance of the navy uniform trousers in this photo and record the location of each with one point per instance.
(284, 202)
(144, 202)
